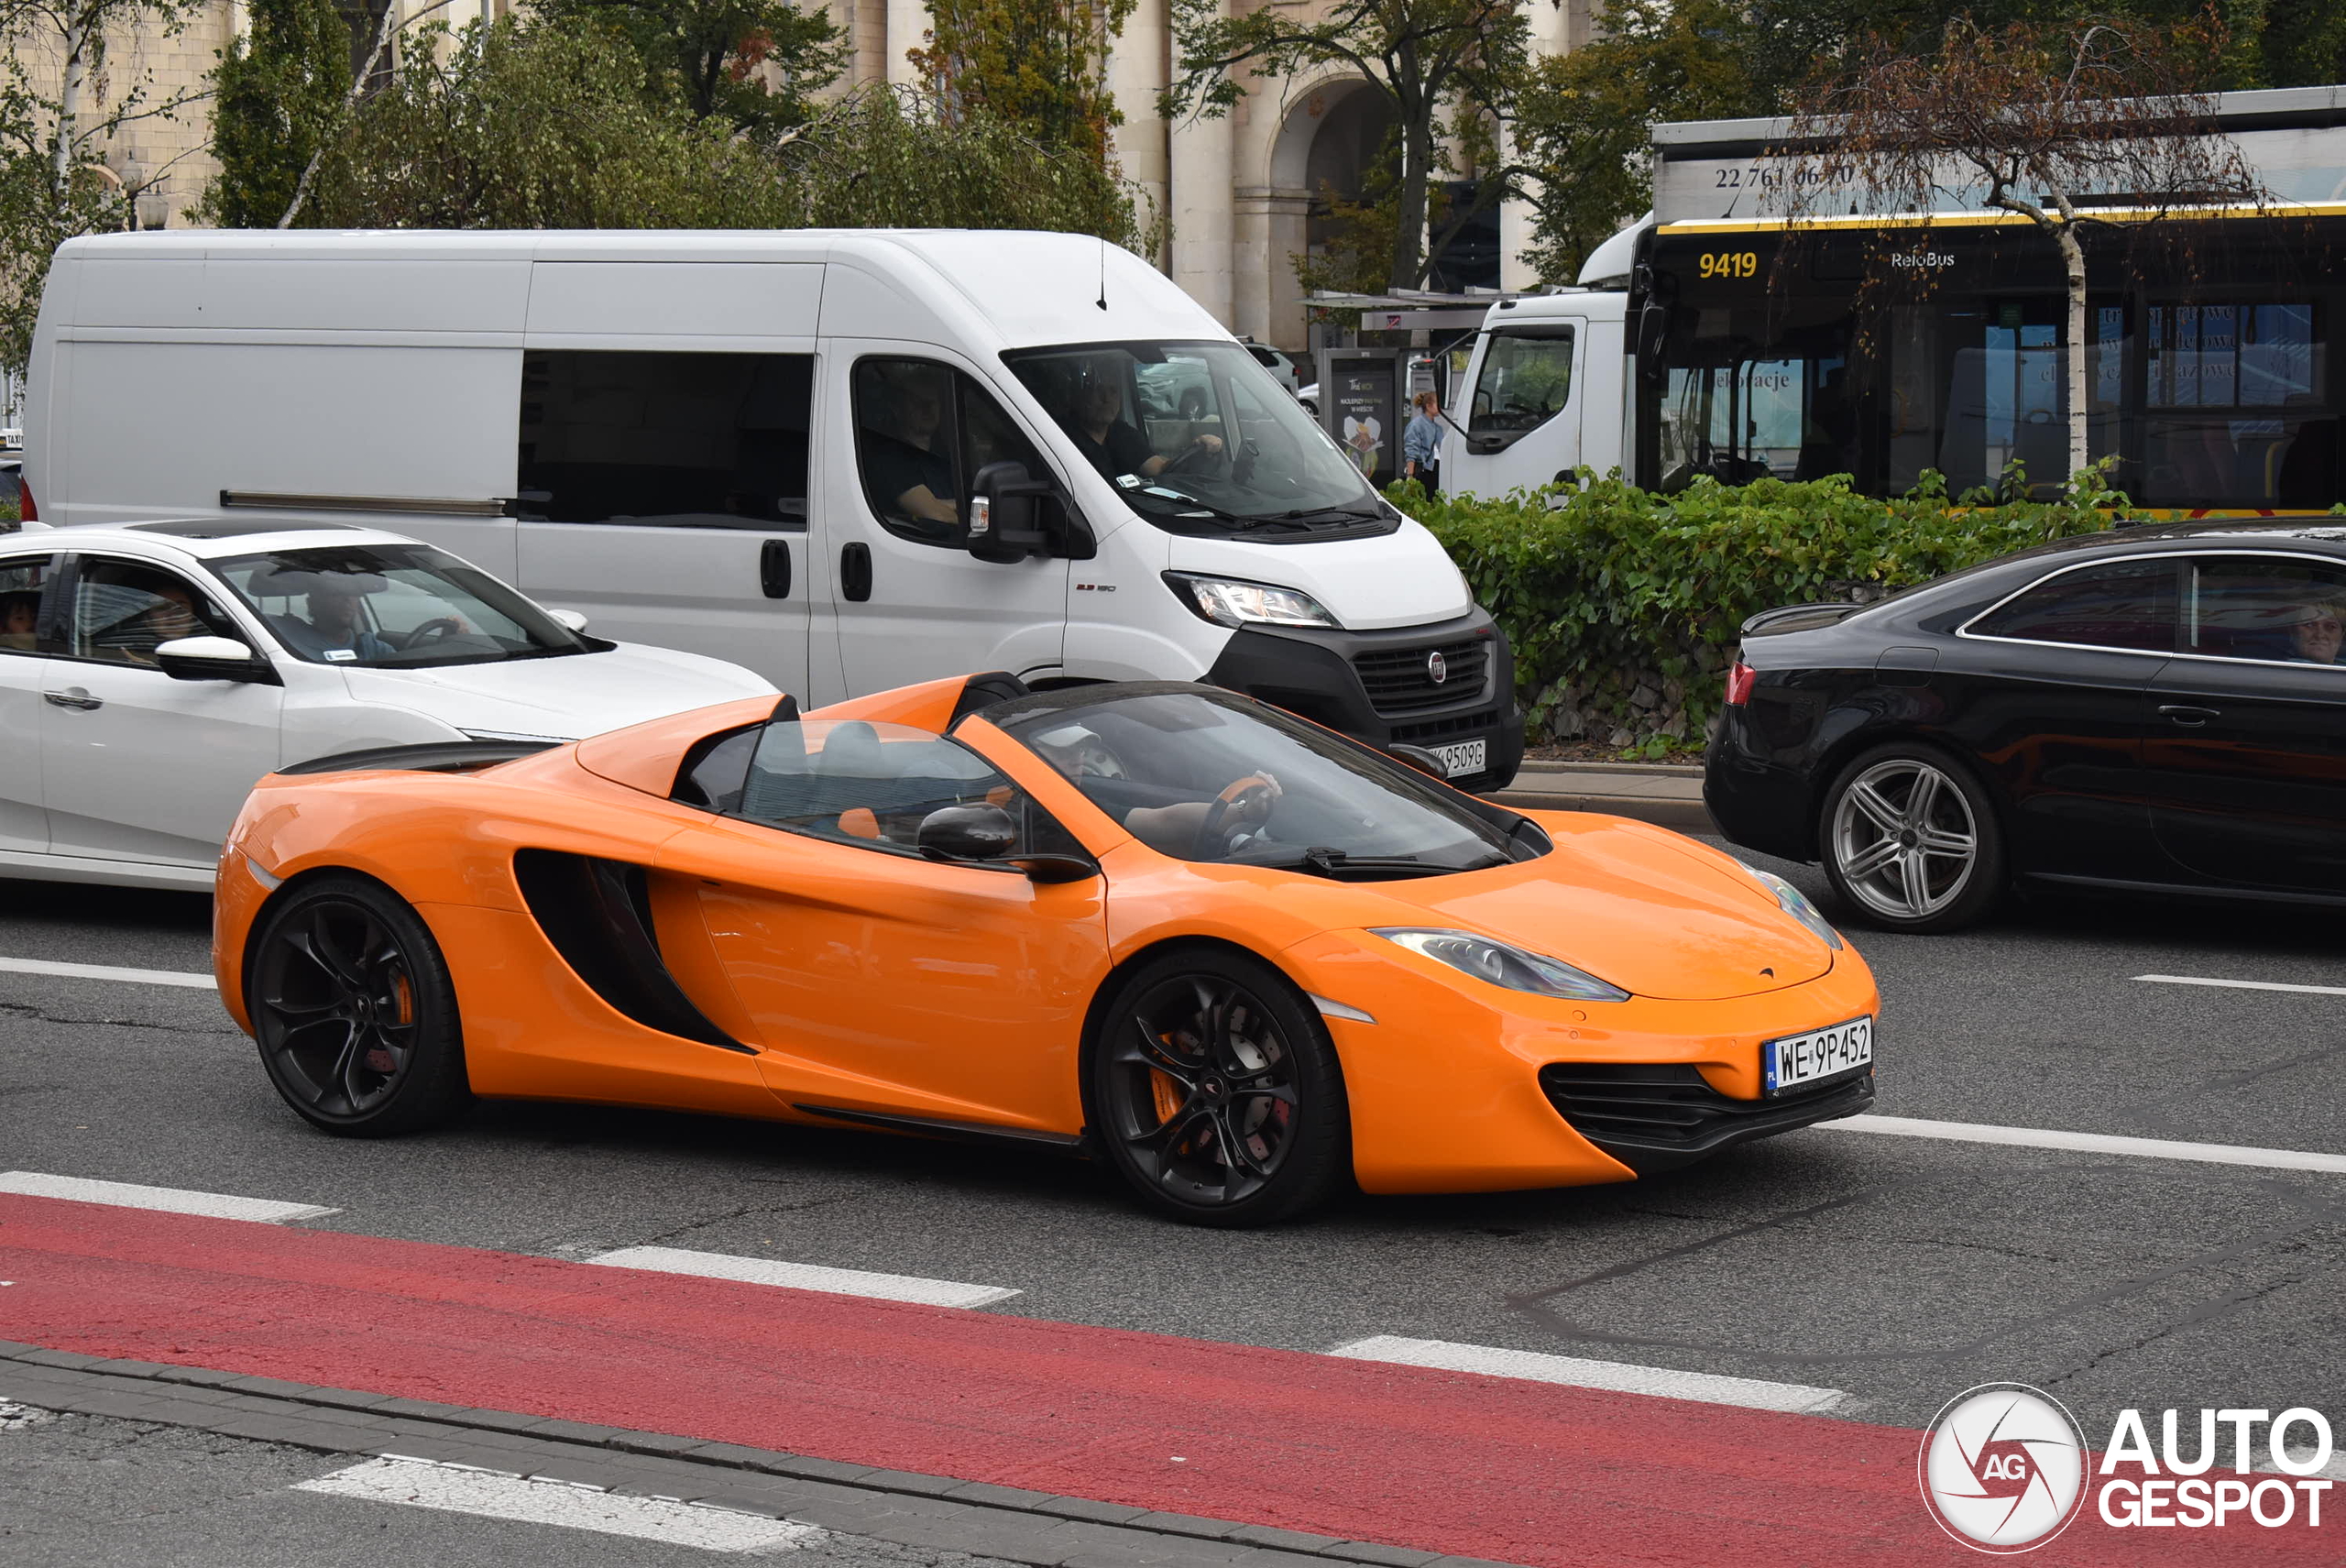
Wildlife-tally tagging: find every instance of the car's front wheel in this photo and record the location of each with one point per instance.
(1215, 1090)
(1911, 841)
(354, 1011)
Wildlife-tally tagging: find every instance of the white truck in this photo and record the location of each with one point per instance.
(848, 460)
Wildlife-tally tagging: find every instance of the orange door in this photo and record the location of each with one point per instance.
(879, 981)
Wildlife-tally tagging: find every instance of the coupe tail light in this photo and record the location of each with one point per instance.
(1740, 679)
(26, 511)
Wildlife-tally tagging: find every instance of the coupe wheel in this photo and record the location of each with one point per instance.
(1214, 1092)
(1911, 843)
(354, 1011)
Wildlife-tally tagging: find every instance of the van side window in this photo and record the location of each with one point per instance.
(668, 440)
(922, 432)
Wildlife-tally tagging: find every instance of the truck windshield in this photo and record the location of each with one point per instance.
(1198, 437)
(392, 607)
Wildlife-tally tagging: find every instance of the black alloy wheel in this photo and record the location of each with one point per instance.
(1215, 1091)
(354, 1011)
(1911, 840)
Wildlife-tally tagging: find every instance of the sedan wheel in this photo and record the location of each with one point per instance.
(354, 1012)
(1215, 1092)
(1911, 843)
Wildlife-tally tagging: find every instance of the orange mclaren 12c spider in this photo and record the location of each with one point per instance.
(1239, 958)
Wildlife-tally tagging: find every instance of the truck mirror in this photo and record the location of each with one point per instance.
(1005, 514)
(1653, 327)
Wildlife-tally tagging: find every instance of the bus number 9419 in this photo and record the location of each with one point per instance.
(1729, 264)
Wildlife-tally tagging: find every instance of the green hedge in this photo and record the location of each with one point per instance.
(1623, 605)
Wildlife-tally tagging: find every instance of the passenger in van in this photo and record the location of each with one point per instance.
(902, 455)
(1107, 439)
(19, 614)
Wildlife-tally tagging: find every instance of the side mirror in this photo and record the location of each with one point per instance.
(1417, 757)
(967, 833)
(213, 659)
(569, 619)
(1005, 507)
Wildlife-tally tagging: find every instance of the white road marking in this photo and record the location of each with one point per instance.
(489, 1494)
(1620, 1377)
(167, 1200)
(2242, 984)
(2091, 1143)
(193, 982)
(805, 1276)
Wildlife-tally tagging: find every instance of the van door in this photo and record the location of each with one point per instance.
(1522, 423)
(663, 486)
(912, 603)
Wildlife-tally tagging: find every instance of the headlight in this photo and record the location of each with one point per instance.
(1795, 904)
(1502, 964)
(1227, 602)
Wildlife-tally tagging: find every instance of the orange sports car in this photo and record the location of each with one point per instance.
(1239, 957)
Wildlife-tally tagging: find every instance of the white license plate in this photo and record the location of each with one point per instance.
(1797, 1059)
(1467, 757)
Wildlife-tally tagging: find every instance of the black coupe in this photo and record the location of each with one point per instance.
(2155, 708)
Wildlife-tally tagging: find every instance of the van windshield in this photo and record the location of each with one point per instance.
(1198, 437)
(392, 607)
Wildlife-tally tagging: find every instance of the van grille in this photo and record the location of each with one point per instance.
(1400, 680)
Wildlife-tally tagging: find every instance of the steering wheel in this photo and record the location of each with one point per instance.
(1251, 797)
(1195, 459)
(434, 630)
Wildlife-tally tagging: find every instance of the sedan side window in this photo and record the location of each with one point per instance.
(123, 611)
(22, 581)
(2125, 604)
(2269, 608)
(874, 785)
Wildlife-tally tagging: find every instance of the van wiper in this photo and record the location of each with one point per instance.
(1168, 498)
(1318, 513)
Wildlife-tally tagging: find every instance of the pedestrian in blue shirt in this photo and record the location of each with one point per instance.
(1421, 443)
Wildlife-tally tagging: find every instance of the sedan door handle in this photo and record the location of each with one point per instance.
(73, 697)
(2186, 715)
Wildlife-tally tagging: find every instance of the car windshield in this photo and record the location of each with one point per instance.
(1204, 776)
(391, 607)
(1198, 437)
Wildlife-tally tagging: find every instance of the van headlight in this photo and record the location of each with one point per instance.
(1226, 601)
(1794, 902)
(1502, 963)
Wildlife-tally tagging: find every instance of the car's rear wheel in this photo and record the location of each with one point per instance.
(1911, 841)
(355, 1013)
(1215, 1092)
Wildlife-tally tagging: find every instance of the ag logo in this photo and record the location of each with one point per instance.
(2002, 1468)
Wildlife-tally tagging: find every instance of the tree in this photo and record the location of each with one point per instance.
(1040, 65)
(277, 98)
(2048, 124)
(1426, 57)
(62, 106)
(756, 63)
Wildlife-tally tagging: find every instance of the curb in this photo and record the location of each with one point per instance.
(1680, 816)
(897, 1505)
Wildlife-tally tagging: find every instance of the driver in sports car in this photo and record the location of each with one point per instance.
(1189, 829)
(1105, 437)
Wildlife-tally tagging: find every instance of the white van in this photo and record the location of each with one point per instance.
(848, 460)
(1546, 392)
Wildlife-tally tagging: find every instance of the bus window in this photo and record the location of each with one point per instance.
(2234, 406)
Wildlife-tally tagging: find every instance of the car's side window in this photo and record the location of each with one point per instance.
(123, 609)
(2123, 604)
(2274, 607)
(922, 432)
(23, 581)
(670, 440)
(854, 782)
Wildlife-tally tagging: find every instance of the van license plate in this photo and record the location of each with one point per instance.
(1799, 1059)
(1467, 757)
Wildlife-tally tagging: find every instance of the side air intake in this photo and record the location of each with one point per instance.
(598, 914)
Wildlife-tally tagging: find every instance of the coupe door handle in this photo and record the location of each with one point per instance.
(73, 697)
(2186, 715)
(773, 568)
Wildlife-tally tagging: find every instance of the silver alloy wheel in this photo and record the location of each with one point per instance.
(1904, 839)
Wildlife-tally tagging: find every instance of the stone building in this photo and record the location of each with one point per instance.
(1237, 193)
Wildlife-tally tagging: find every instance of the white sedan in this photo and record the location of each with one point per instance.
(152, 673)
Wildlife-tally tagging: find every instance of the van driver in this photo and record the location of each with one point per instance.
(1108, 439)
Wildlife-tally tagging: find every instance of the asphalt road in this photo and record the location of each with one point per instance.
(1900, 1270)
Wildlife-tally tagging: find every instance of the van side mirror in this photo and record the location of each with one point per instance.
(213, 659)
(1007, 505)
